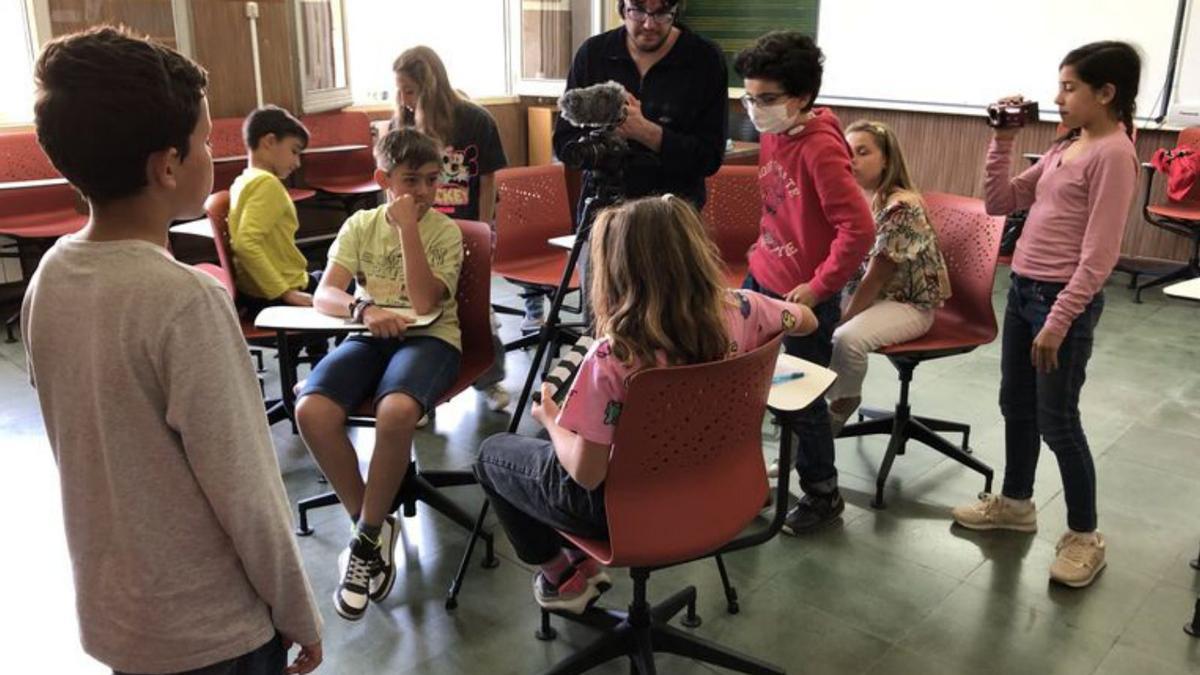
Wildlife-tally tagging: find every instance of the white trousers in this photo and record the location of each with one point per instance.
(885, 323)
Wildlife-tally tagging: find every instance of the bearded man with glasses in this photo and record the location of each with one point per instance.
(677, 93)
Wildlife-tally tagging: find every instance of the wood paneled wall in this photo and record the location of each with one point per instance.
(221, 39)
(945, 154)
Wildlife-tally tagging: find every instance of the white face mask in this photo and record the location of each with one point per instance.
(771, 119)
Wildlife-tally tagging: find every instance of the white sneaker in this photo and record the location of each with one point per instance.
(532, 324)
(425, 420)
(497, 397)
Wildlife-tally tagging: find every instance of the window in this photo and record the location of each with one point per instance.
(545, 39)
(324, 76)
(16, 52)
(155, 18)
(546, 35)
(27, 24)
(468, 35)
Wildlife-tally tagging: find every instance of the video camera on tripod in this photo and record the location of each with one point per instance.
(601, 108)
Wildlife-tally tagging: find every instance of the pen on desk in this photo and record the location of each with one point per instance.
(786, 377)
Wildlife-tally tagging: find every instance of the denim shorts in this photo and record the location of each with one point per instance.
(422, 367)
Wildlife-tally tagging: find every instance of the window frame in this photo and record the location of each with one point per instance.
(322, 100)
(519, 85)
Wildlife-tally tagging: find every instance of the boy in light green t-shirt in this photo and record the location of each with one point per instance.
(402, 254)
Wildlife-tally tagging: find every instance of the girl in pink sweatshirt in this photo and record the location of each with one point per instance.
(1078, 198)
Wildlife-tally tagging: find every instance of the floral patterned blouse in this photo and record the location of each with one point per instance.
(904, 235)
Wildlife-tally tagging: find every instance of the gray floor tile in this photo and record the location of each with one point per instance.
(1124, 660)
(1004, 637)
(1157, 629)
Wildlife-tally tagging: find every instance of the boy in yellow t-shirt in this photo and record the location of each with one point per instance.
(404, 254)
(270, 269)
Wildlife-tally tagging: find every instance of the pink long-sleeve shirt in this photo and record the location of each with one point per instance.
(1077, 214)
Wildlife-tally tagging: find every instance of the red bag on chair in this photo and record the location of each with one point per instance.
(1182, 169)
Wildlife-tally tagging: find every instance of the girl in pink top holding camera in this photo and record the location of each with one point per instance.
(1078, 196)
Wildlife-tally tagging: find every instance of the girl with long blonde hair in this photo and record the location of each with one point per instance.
(904, 279)
(660, 300)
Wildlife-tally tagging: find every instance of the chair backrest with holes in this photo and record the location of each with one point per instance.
(687, 473)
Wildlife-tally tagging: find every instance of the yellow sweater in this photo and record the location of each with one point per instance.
(262, 227)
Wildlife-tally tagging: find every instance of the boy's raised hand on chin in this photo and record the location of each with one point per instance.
(403, 212)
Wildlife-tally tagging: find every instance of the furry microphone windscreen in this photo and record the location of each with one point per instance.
(595, 106)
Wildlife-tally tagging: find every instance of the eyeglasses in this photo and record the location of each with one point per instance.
(763, 100)
(639, 15)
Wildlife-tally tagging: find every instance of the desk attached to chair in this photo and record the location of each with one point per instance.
(1187, 290)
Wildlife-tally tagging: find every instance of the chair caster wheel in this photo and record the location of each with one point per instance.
(733, 608)
(451, 604)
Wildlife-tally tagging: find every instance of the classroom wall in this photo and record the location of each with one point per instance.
(945, 154)
(221, 39)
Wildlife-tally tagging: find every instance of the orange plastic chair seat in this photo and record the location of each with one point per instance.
(1179, 212)
(948, 332)
(541, 271)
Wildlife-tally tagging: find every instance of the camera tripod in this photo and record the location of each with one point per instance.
(607, 189)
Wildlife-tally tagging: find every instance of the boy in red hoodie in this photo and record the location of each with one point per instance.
(816, 231)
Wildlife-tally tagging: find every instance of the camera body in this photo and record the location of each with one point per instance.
(1010, 116)
(601, 150)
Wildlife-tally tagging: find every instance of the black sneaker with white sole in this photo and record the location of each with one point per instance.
(813, 511)
(362, 561)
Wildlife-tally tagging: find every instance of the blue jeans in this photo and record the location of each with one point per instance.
(814, 454)
(1046, 405)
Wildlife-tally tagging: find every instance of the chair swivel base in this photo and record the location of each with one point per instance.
(902, 427)
(643, 631)
(1191, 270)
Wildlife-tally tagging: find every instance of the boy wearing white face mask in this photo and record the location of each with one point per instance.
(816, 229)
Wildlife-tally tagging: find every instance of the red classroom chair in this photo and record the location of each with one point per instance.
(970, 242)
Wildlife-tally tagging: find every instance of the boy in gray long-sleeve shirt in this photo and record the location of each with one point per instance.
(177, 521)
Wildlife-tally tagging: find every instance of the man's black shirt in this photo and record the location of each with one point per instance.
(686, 93)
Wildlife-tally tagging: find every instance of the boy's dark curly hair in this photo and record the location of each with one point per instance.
(788, 57)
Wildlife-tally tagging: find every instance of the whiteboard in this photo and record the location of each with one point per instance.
(959, 55)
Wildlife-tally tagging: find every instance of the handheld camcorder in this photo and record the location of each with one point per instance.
(1012, 115)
